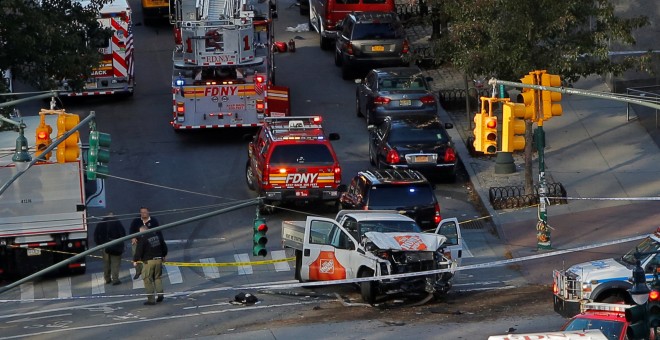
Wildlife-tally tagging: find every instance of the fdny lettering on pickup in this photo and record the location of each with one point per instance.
(301, 178)
(221, 91)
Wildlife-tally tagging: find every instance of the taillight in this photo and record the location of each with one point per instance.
(392, 157)
(555, 289)
(180, 109)
(265, 177)
(427, 99)
(406, 47)
(382, 100)
(450, 155)
(437, 218)
(188, 45)
(260, 106)
(349, 48)
(259, 79)
(337, 171)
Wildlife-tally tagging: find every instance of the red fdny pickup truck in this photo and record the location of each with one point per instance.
(291, 160)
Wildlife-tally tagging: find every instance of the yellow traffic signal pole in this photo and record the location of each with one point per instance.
(542, 228)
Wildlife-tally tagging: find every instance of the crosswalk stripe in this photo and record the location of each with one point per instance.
(210, 272)
(137, 283)
(27, 292)
(243, 270)
(280, 266)
(466, 251)
(174, 274)
(64, 288)
(98, 283)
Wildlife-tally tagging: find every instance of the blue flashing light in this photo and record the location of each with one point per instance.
(412, 189)
(180, 81)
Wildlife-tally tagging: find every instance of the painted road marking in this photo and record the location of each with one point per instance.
(98, 283)
(280, 266)
(243, 270)
(210, 272)
(64, 288)
(466, 251)
(137, 283)
(174, 274)
(27, 292)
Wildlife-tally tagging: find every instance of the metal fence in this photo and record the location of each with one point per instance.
(651, 93)
(510, 197)
(407, 10)
(454, 99)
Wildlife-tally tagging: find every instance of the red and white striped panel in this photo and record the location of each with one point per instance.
(215, 126)
(118, 42)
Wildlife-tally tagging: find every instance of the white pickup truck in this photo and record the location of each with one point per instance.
(362, 243)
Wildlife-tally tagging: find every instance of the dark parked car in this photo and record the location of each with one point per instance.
(406, 191)
(393, 91)
(413, 142)
(368, 40)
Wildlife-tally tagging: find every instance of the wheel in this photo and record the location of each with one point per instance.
(357, 105)
(337, 58)
(249, 176)
(346, 72)
(368, 288)
(372, 159)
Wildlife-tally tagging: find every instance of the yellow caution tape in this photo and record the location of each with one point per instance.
(227, 264)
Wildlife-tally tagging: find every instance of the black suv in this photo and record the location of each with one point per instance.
(368, 40)
(406, 191)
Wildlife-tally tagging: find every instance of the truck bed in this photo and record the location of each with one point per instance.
(293, 234)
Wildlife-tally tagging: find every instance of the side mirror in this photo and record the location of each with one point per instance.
(333, 136)
(371, 127)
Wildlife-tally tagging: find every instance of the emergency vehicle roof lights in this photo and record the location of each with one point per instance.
(317, 119)
(609, 307)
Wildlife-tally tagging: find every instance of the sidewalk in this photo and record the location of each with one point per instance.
(591, 149)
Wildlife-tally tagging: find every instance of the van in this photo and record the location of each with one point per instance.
(326, 15)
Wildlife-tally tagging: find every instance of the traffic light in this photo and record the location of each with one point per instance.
(489, 135)
(43, 140)
(68, 150)
(98, 155)
(638, 327)
(550, 100)
(529, 96)
(513, 126)
(478, 132)
(259, 238)
(653, 308)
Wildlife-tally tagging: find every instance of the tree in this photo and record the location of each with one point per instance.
(44, 41)
(509, 38)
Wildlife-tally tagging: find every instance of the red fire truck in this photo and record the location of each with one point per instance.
(223, 66)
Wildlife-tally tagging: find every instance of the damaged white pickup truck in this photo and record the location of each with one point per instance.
(363, 243)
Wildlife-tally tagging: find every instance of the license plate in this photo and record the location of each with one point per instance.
(33, 252)
(302, 193)
(421, 159)
(237, 120)
(378, 48)
(90, 85)
(405, 102)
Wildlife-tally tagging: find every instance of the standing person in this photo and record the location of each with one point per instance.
(144, 220)
(107, 230)
(151, 251)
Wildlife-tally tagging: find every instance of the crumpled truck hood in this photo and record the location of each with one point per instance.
(406, 241)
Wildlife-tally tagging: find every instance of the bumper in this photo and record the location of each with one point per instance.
(352, 61)
(567, 309)
(381, 112)
(426, 169)
(301, 195)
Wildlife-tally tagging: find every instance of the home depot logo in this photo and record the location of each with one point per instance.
(327, 266)
(410, 242)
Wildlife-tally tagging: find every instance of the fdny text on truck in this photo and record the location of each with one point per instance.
(223, 67)
(43, 217)
(115, 72)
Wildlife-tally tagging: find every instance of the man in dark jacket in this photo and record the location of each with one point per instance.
(107, 230)
(147, 220)
(151, 251)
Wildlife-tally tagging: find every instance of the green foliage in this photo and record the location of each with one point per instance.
(48, 40)
(509, 38)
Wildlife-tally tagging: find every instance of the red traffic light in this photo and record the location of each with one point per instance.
(491, 123)
(42, 135)
(262, 227)
(654, 295)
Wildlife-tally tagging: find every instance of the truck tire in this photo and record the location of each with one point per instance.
(249, 176)
(368, 288)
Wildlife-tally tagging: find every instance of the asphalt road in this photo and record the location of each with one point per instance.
(179, 175)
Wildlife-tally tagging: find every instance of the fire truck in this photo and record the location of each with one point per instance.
(43, 217)
(115, 73)
(223, 65)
